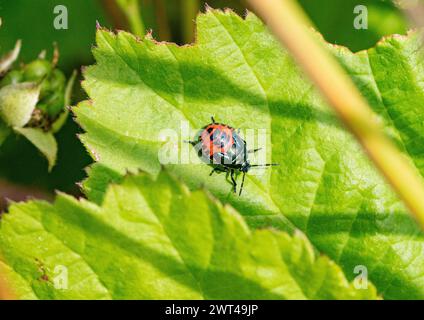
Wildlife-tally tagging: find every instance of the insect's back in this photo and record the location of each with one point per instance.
(222, 145)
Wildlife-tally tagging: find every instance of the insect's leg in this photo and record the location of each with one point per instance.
(193, 143)
(213, 119)
(264, 165)
(242, 183)
(233, 181)
(227, 175)
(216, 169)
(254, 150)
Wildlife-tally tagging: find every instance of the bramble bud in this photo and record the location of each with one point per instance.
(57, 80)
(50, 98)
(37, 70)
(17, 102)
(54, 103)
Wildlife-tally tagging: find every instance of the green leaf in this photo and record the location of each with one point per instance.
(100, 178)
(17, 102)
(156, 240)
(43, 141)
(237, 71)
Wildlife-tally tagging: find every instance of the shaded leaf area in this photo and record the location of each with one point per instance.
(156, 240)
(236, 71)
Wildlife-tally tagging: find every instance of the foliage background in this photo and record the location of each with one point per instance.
(32, 21)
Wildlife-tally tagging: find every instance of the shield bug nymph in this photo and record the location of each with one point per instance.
(224, 149)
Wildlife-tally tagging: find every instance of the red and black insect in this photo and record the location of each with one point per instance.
(222, 147)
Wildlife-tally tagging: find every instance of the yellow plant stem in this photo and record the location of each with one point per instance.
(131, 9)
(290, 25)
(189, 11)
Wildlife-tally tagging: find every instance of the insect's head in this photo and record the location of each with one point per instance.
(245, 166)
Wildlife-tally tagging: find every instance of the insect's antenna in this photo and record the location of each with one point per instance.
(242, 183)
(264, 165)
(193, 143)
(213, 119)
